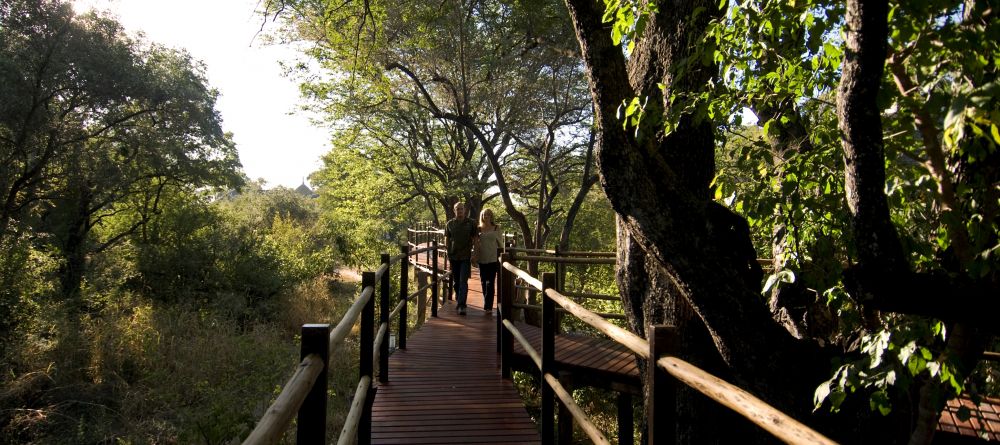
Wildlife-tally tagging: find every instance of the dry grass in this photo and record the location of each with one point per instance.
(144, 373)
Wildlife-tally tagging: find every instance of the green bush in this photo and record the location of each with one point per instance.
(236, 254)
(26, 278)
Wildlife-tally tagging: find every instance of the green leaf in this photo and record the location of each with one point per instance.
(880, 401)
(831, 50)
(836, 399)
(926, 353)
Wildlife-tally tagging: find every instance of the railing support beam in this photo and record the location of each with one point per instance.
(434, 277)
(626, 419)
(312, 414)
(504, 336)
(661, 415)
(565, 418)
(404, 291)
(367, 352)
(548, 359)
(383, 317)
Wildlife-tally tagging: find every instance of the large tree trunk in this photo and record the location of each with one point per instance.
(650, 295)
(658, 186)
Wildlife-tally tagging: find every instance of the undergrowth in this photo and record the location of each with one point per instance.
(139, 372)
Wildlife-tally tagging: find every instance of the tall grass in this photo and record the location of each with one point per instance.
(141, 372)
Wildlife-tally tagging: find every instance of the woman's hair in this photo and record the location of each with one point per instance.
(486, 219)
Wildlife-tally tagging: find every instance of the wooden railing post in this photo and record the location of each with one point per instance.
(565, 418)
(367, 350)
(548, 358)
(404, 281)
(383, 317)
(312, 414)
(661, 417)
(514, 293)
(449, 284)
(434, 278)
(504, 336)
(421, 277)
(559, 284)
(560, 271)
(626, 419)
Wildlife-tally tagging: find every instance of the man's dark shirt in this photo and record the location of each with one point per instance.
(458, 235)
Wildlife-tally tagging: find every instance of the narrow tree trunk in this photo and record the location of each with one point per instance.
(74, 251)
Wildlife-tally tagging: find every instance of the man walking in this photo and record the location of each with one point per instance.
(459, 234)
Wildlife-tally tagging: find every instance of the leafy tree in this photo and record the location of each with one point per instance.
(882, 253)
(473, 97)
(363, 208)
(94, 122)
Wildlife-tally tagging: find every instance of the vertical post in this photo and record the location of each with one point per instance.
(514, 293)
(559, 284)
(506, 299)
(312, 414)
(434, 278)
(422, 298)
(560, 271)
(661, 418)
(383, 318)
(565, 418)
(404, 289)
(626, 419)
(548, 358)
(367, 352)
(449, 293)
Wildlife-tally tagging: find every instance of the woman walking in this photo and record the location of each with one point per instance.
(488, 243)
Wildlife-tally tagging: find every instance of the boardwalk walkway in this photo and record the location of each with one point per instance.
(446, 386)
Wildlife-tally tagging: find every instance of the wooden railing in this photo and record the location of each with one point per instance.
(659, 380)
(305, 394)
(560, 259)
(427, 235)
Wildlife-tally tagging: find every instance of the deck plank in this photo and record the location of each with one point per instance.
(445, 388)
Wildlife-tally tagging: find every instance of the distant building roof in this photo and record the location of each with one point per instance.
(304, 190)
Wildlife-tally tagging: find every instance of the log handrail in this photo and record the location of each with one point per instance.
(571, 253)
(591, 296)
(310, 375)
(567, 259)
(585, 295)
(354, 415)
(747, 405)
(538, 307)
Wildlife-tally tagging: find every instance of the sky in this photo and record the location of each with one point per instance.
(258, 105)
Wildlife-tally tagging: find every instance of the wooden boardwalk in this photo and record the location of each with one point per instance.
(445, 388)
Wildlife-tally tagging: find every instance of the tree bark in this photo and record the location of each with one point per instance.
(880, 256)
(860, 124)
(658, 187)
